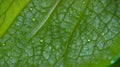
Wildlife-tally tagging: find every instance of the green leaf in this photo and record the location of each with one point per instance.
(9, 9)
(59, 33)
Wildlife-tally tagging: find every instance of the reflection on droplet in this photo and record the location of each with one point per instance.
(31, 9)
(33, 19)
(50, 47)
(89, 40)
(3, 44)
(41, 40)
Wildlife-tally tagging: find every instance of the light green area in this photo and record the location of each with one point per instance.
(61, 33)
(9, 9)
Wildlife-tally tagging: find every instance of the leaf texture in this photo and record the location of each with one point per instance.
(62, 33)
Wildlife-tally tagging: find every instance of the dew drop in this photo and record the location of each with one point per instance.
(89, 40)
(31, 9)
(33, 19)
(41, 40)
(50, 47)
(3, 44)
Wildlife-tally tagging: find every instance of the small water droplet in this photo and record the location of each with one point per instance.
(33, 19)
(41, 40)
(3, 44)
(50, 47)
(89, 40)
(31, 9)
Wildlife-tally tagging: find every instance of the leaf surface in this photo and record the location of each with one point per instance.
(9, 9)
(62, 33)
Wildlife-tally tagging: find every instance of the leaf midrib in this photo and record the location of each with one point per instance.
(72, 32)
(41, 24)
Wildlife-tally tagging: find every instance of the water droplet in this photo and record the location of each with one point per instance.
(41, 40)
(3, 44)
(89, 40)
(31, 9)
(33, 19)
(50, 47)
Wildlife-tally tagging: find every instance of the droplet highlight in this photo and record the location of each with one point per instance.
(88, 40)
(50, 47)
(3, 44)
(41, 40)
(33, 19)
(31, 9)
